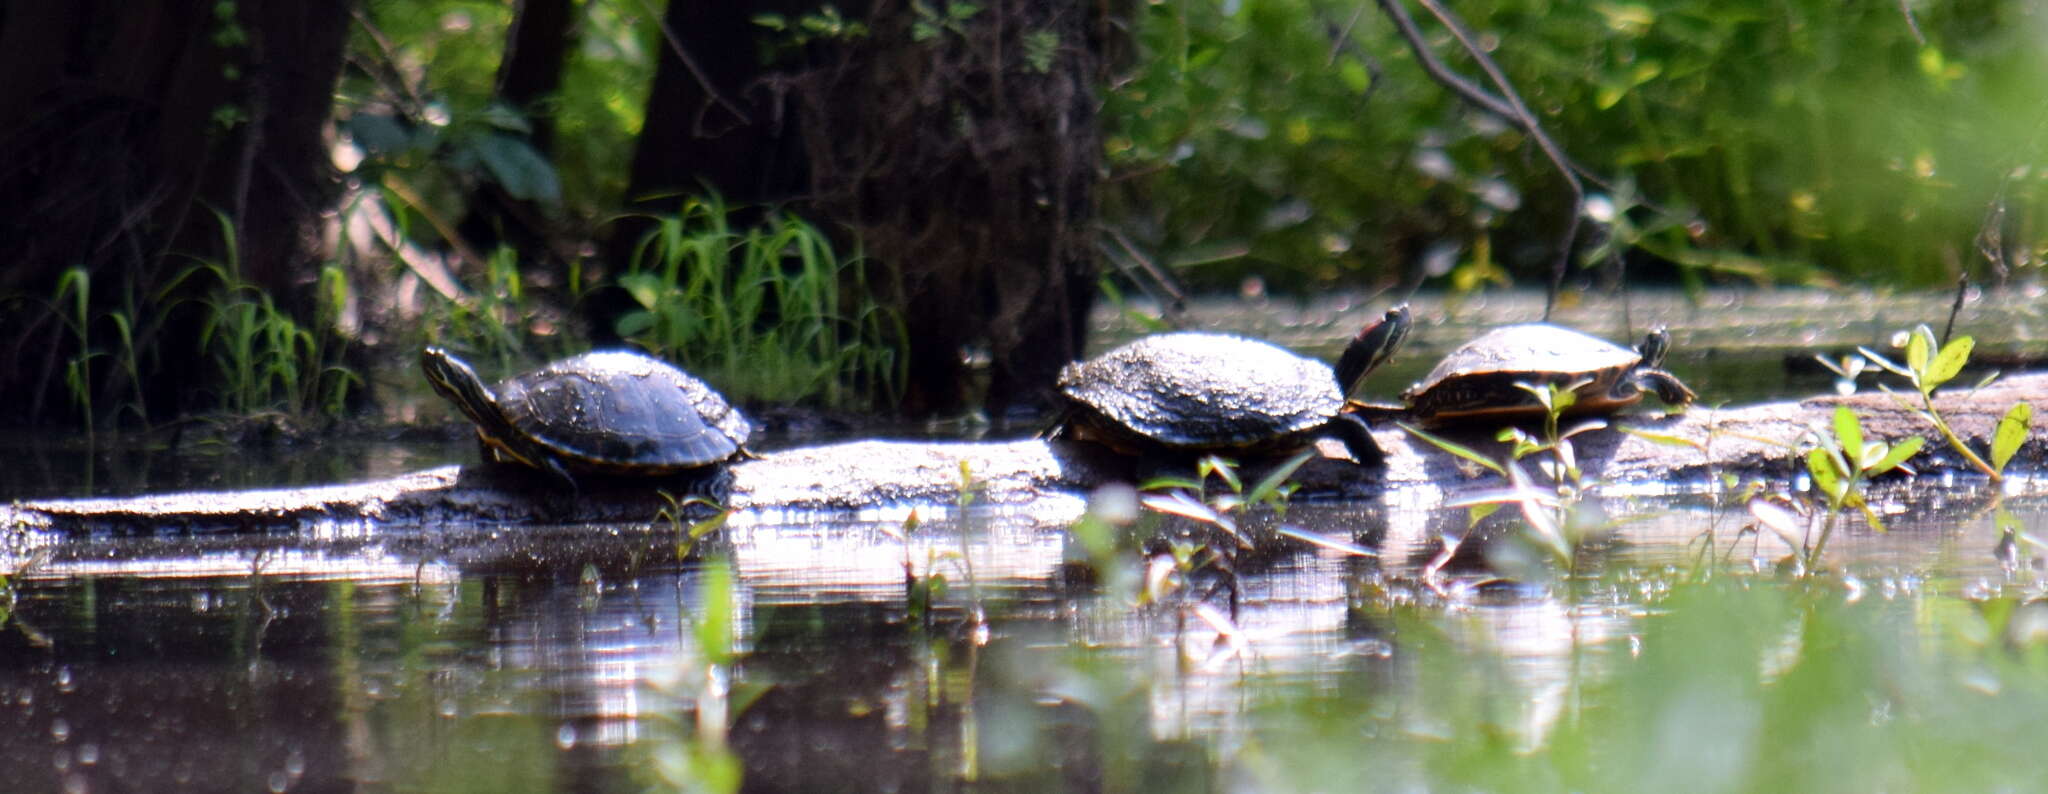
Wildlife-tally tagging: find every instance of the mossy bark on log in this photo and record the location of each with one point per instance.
(876, 476)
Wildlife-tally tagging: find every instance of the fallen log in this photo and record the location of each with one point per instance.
(883, 478)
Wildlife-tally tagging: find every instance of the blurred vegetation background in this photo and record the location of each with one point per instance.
(1282, 146)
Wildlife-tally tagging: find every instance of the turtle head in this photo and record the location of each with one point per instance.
(459, 384)
(1374, 344)
(1653, 347)
(1650, 374)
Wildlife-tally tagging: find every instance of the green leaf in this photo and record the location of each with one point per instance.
(1917, 346)
(1949, 361)
(1663, 439)
(1898, 454)
(1453, 447)
(714, 617)
(1849, 433)
(518, 168)
(2011, 433)
(633, 324)
(1821, 468)
(1267, 487)
(1221, 468)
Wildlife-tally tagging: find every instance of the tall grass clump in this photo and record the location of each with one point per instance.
(767, 312)
(264, 359)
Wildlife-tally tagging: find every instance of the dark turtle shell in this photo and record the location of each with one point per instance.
(1200, 391)
(1478, 380)
(612, 412)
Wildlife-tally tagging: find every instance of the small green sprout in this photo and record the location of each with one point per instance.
(1928, 368)
(1840, 468)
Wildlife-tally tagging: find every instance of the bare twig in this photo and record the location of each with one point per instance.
(675, 45)
(1906, 10)
(1507, 104)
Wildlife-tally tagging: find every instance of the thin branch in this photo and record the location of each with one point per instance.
(1508, 104)
(675, 45)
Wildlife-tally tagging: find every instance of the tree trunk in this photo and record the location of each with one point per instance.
(965, 153)
(529, 75)
(128, 128)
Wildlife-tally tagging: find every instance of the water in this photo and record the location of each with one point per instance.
(587, 658)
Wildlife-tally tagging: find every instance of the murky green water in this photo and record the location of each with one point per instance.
(1680, 652)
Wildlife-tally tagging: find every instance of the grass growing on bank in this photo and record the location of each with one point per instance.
(263, 359)
(767, 312)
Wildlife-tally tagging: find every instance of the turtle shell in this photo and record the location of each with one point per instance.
(1478, 379)
(622, 413)
(1198, 391)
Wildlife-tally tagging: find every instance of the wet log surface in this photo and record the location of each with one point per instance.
(875, 477)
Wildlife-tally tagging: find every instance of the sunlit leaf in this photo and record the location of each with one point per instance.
(1179, 503)
(1452, 447)
(1221, 467)
(1664, 439)
(1849, 433)
(1899, 453)
(1919, 346)
(1541, 520)
(1949, 361)
(1326, 541)
(1269, 486)
(1587, 426)
(1821, 467)
(2011, 434)
(1779, 519)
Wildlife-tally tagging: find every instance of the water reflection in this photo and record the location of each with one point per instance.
(566, 658)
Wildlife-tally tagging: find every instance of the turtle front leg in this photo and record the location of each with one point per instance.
(1667, 386)
(1356, 434)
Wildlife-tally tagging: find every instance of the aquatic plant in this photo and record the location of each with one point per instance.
(694, 755)
(769, 312)
(1929, 368)
(676, 512)
(1548, 512)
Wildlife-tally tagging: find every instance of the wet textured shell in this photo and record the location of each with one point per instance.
(1199, 390)
(1480, 375)
(623, 412)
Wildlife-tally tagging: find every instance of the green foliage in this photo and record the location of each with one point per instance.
(1842, 465)
(767, 312)
(1549, 511)
(1726, 687)
(695, 757)
(825, 23)
(1299, 140)
(932, 23)
(1928, 369)
(264, 359)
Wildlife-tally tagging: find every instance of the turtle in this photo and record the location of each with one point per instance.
(609, 413)
(1191, 393)
(1477, 381)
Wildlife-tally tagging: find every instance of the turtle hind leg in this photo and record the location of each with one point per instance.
(1352, 429)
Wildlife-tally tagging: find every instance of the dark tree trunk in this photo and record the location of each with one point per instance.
(967, 162)
(128, 126)
(964, 161)
(529, 76)
(710, 120)
(709, 124)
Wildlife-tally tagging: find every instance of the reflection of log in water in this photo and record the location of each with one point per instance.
(881, 477)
